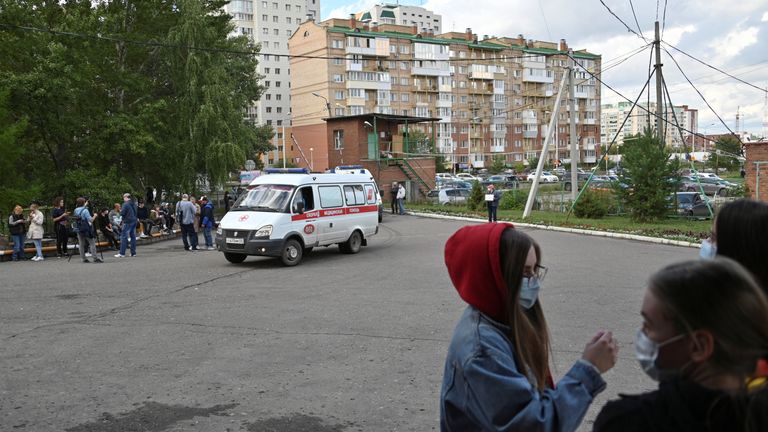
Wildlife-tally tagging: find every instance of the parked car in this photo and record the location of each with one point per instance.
(546, 177)
(456, 184)
(503, 181)
(690, 204)
(449, 196)
(582, 178)
(444, 176)
(710, 186)
(466, 177)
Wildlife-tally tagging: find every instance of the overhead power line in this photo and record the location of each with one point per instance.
(632, 6)
(712, 67)
(629, 29)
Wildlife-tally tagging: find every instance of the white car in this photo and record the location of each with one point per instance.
(466, 177)
(449, 196)
(444, 176)
(546, 177)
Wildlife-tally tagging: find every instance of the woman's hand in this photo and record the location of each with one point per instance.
(602, 351)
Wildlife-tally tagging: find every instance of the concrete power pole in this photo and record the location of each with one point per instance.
(659, 98)
(574, 139)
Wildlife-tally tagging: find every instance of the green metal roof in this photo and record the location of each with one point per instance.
(432, 40)
(387, 14)
(366, 16)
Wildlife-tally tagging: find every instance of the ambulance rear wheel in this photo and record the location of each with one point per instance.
(292, 253)
(234, 258)
(308, 250)
(352, 246)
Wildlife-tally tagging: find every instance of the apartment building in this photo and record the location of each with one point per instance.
(387, 13)
(638, 119)
(271, 23)
(494, 97)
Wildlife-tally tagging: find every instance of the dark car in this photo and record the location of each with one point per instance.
(710, 186)
(582, 178)
(504, 181)
(690, 204)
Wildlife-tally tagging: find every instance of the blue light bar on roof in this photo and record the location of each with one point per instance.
(286, 171)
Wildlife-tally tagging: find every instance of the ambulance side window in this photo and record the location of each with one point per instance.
(306, 196)
(354, 195)
(370, 193)
(330, 196)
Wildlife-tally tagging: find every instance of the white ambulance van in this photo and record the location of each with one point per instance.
(287, 212)
(358, 169)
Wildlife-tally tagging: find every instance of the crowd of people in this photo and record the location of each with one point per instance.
(118, 226)
(703, 335)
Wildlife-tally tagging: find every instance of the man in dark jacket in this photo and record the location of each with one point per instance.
(492, 198)
(207, 221)
(128, 213)
(142, 213)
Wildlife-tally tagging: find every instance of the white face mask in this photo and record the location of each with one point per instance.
(647, 352)
(529, 292)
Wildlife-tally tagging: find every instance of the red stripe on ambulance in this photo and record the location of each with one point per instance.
(318, 214)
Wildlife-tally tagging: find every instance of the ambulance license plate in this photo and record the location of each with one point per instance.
(235, 241)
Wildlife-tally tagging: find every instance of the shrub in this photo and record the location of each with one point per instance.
(512, 200)
(476, 197)
(592, 205)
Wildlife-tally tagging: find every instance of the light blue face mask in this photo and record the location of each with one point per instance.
(529, 292)
(708, 250)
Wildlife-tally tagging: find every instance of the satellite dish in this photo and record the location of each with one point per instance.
(250, 165)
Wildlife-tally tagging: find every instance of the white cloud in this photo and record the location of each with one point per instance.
(733, 43)
(350, 8)
(765, 17)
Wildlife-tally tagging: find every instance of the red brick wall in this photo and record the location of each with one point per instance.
(314, 137)
(757, 152)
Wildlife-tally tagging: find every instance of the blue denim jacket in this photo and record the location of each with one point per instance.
(483, 389)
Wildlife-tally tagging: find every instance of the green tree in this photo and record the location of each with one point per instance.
(498, 164)
(14, 189)
(476, 196)
(726, 153)
(647, 170)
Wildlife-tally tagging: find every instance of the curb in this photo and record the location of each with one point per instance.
(594, 233)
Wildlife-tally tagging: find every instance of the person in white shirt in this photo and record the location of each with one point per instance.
(401, 199)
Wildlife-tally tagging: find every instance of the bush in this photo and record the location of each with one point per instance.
(476, 197)
(512, 200)
(592, 205)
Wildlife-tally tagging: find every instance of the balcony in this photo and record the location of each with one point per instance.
(546, 76)
(480, 75)
(590, 121)
(426, 88)
(497, 149)
(443, 103)
(427, 71)
(445, 88)
(584, 94)
(378, 47)
(530, 117)
(530, 133)
(354, 67)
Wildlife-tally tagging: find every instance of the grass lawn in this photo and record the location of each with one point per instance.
(675, 229)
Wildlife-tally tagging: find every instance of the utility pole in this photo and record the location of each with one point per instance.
(574, 144)
(659, 99)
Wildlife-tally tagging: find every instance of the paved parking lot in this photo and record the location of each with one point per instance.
(174, 340)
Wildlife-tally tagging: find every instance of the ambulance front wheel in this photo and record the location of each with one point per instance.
(234, 258)
(352, 245)
(292, 253)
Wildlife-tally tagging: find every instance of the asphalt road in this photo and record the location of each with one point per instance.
(174, 340)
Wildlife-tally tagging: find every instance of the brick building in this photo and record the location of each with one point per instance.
(756, 167)
(493, 96)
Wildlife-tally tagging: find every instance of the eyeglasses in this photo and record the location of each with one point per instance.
(539, 272)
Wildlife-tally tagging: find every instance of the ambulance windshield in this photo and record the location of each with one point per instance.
(269, 198)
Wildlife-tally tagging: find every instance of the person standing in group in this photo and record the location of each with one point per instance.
(492, 198)
(16, 225)
(401, 199)
(207, 222)
(85, 233)
(497, 372)
(198, 209)
(128, 215)
(393, 193)
(35, 231)
(60, 219)
(185, 213)
(703, 329)
(226, 202)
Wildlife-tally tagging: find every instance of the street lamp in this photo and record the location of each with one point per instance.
(311, 158)
(327, 104)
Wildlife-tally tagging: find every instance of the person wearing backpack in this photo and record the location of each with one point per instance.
(128, 214)
(83, 225)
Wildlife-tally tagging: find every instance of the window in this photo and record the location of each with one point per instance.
(266, 45)
(337, 43)
(288, 33)
(288, 7)
(405, 97)
(277, 44)
(279, 110)
(277, 83)
(277, 71)
(276, 32)
(265, 17)
(338, 94)
(339, 111)
(338, 139)
(279, 96)
(354, 195)
(330, 196)
(274, 5)
(404, 49)
(338, 78)
(268, 96)
(265, 31)
(370, 194)
(304, 196)
(264, 4)
(269, 109)
(298, 8)
(288, 20)
(337, 61)
(266, 70)
(275, 18)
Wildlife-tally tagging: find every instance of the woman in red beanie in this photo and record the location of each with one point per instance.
(497, 374)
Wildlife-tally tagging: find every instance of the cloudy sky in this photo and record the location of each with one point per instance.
(729, 34)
